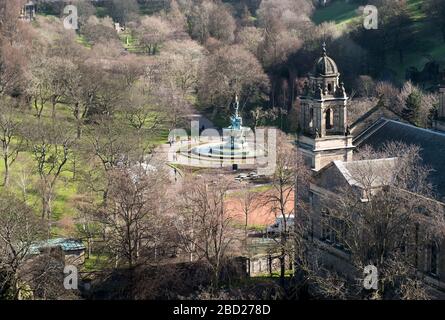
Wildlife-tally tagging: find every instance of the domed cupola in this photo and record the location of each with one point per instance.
(325, 66)
(323, 116)
(324, 81)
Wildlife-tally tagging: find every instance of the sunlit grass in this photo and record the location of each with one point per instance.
(24, 173)
(340, 12)
(96, 262)
(426, 42)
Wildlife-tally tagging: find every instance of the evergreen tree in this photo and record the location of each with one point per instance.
(411, 112)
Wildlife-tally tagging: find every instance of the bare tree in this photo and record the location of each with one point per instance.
(210, 19)
(132, 215)
(109, 145)
(290, 173)
(99, 30)
(87, 225)
(250, 38)
(249, 201)
(204, 222)
(151, 33)
(10, 135)
(112, 142)
(19, 229)
(231, 70)
(182, 60)
(50, 147)
(40, 84)
(82, 87)
(14, 45)
(58, 73)
(144, 116)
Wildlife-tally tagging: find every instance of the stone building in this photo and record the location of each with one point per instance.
(328, 145)
(28, 11)
(323, 116)
(69, 251)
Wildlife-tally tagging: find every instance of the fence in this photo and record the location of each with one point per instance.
(265, 264)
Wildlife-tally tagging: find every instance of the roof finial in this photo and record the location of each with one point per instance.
(236, 104)
(324, 48)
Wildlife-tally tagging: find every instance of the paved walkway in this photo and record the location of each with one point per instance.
(203, 121)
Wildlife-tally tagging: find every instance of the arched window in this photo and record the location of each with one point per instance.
(311, 117)
(329, 116)
(329, 88)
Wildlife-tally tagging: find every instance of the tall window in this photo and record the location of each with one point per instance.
(434, 259)
(329, 116)
(326, 231)
(333, 230)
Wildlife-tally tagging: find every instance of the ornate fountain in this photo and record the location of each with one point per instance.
(237, 143)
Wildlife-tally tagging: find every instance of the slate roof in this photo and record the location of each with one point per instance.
(64, 243)
(377, 171)
(432, 144)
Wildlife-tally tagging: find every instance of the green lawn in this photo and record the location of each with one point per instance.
(426, 45)
(83, 41)
(275, 274)
(96, 262)
(67, 189)
(338, 11)
(63, 206)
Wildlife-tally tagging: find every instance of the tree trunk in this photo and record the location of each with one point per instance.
(245, 234)
(90, 245)
(6, 174)
(79, 130)
(74, 167)
(282, 266)
(49, 215)
(78, 122)
(44, 207)
(283, 258)
(46, 210)
(53, 113)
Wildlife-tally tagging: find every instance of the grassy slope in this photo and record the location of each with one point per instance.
(63, 206)
(427, 43)
(339, 12)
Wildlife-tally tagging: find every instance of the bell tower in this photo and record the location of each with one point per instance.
(324, 133)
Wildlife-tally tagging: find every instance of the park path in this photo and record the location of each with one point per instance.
(162, 151)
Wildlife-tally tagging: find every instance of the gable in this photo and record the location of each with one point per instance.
(369, 118)
(330, 178)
